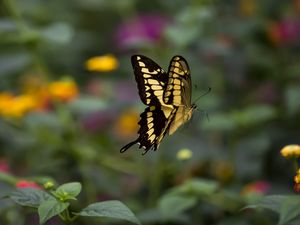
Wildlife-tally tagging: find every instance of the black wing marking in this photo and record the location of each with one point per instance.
(151, 80)
(178, 89)
(153, 127)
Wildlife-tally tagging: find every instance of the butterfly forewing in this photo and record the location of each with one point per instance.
(151, 79)
(178, 87)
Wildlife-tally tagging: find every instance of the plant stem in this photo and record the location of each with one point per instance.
(155, 180)
(15, 14)
(66, 217)
(24, 31)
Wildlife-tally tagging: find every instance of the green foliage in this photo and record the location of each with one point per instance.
(111, 209)
(30, 197)
(49, 208)
(286, 206)
(67, 191)
(57, 203)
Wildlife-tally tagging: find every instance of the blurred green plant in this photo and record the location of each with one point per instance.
(68, 101)
(56, 202)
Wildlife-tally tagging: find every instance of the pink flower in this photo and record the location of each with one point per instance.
(143, 29)
(98, 121)
(284, 32)
(4, 167)
(27, 184)
(267, 92)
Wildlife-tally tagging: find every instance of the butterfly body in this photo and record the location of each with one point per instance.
(167, 95)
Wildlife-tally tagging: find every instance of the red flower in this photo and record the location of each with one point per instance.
(27, 184)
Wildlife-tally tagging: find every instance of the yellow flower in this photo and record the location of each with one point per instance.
(104, 63)
(127, 124)
(16, 106)
(290, 151)
(184, 154)
(63, 90)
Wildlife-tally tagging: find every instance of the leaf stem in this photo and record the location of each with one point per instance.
(66, 218)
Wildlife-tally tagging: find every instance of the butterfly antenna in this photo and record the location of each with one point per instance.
(209, 89)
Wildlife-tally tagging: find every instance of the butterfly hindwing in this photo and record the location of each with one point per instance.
(151, 79)
(178, 87)
(152, 129)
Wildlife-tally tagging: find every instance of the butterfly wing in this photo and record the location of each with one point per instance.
(178, 92)
(178, 88)
(153, 127)
(151, 80)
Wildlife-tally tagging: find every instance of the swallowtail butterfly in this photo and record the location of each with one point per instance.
(167, 96)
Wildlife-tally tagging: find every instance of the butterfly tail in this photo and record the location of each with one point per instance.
(124, 149)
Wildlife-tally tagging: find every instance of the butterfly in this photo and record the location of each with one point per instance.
(167, 96)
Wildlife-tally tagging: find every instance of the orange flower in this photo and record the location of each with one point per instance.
(273, 33)
(16, 106)
(127, 124)
(64, 90)
(297, 182)
(36, 86)
(5, 101)
(104, 63)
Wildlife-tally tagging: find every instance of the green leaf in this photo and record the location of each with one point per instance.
(196, 187)
(50, 208)
(220, 122)
(111, 209)
(29, 197)
(68, 191)
(13, 62)
(272, 202)
(289, 210)
(182, 35)
(173, 205)
(261, 113)
(85, 105)
(292, 96)
(64, 30)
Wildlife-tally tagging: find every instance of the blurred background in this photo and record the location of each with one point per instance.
(69, 102)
